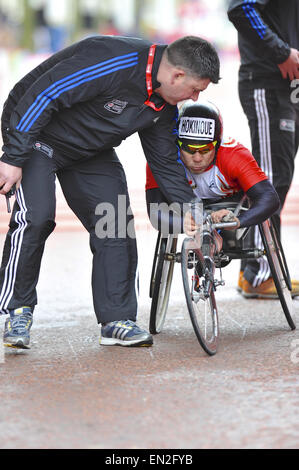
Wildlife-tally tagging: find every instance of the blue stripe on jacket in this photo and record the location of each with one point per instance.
(254, 18)
(72, 81)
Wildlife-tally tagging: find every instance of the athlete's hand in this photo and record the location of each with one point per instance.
(290, 67)
(9, 175)
(224, 215)
(190, 227)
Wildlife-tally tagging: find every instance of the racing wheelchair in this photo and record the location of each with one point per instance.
(199, 257)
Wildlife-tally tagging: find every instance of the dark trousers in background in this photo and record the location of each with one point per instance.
(85, 185)
(274, 129)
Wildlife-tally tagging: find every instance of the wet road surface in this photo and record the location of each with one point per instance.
(69, 392)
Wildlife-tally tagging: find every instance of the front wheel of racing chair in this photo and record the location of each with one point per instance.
(199, 288)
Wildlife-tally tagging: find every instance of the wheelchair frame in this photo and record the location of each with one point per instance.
(199, 257)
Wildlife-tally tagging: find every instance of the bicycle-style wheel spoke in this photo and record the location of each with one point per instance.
(200, 300)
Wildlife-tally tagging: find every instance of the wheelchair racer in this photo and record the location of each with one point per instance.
(217, 169)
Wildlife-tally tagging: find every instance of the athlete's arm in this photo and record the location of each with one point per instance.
(240, 167)
(264, 202)
(263, 199)
(160, 215)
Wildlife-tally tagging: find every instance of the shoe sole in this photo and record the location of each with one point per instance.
(17, 344)
(263, 296)
(259, 296)
(119, 342)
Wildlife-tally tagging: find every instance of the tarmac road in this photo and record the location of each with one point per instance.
(69, 392)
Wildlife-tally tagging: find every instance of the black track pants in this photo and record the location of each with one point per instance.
(96, 191)
(274, 128)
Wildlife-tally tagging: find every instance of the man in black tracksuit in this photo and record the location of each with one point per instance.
(64, 118)
(268, 36)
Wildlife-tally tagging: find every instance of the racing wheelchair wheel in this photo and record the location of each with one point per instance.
(161, 279)
(279, 268)
(200, 298)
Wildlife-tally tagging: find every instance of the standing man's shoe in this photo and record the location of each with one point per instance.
(124, 333)
(17, 328)
(240, 281)
(266, 290)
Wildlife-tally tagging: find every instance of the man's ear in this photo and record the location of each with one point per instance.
(177, 75)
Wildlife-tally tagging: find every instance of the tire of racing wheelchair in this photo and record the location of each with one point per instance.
(161, 279)
(202, 308)
(279, 268)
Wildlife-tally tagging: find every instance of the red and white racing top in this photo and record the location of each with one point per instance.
(235, 169)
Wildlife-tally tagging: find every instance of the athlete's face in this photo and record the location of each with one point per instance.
(181, 87)
(198, 162)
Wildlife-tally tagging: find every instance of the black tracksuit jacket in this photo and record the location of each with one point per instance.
(266, 31)
(88, 98)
